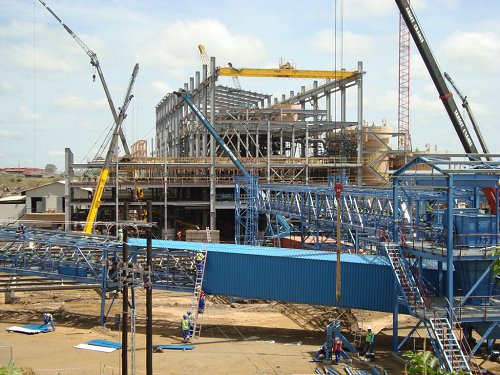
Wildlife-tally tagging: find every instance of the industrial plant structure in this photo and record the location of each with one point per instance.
(422, 231)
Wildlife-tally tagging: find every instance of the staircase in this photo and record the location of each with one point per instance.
(405, 279)
(200, 273)
(448, 349)
(448, 346)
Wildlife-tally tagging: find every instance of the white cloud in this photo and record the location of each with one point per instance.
(472, 50)
(76, 103)
(9, 134)
(160, 88)
(363, 9)
(175, 47)
(7, 88)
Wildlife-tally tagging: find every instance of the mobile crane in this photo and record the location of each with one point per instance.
(444, 93)
(253, 224)
(118, 117)
(95, 63)
(103, 176)
(465, 104)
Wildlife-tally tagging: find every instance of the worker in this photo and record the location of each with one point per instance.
(337, 349)
(321, 353)
(48, 319)
(185, 328)
(428, 212)
(200, 257)
(201, 303)
(20, 230)
(369, 338)
(120, 235)
(384, 236)
(191, 322)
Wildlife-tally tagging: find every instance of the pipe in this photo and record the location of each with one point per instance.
(149, 295)
(125, 305)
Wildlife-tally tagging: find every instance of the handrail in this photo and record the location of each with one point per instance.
(462, 341)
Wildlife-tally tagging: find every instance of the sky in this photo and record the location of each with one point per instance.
(49, 102)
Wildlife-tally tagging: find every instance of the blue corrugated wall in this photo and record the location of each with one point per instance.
(367, 282)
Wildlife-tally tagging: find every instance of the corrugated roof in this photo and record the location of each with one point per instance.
(263, 251)
(13, 198)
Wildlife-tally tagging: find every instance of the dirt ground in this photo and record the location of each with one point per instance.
(253, 337)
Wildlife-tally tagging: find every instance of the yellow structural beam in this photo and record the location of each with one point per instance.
(285, 73)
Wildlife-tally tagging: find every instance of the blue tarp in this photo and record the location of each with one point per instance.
(175, 347)
(105, 343)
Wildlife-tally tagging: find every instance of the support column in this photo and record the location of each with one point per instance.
(449, 245)
(68, 158)
(212, 145)
(360, 123)
(269, 151)
(395, 313)
(125, 306)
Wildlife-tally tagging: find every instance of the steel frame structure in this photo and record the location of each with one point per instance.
(91, 260)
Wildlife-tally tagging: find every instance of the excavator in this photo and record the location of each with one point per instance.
(444, 93)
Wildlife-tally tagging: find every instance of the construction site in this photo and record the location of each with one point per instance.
(278, 211)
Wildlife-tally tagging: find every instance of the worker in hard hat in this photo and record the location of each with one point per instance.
(337, 348)
(120, 235)
(199, 259)
(191, 322)
(49, 319)
(20, 230)
(201, 303)
(369, 338)
(185, 328)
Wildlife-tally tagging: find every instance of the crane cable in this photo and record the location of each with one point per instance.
(34, 85)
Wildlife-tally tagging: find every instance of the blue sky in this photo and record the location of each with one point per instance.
(48, 100)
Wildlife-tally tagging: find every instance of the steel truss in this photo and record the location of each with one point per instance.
(92, 260)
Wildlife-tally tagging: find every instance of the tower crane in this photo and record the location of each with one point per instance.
(95, 63)
(445, 95)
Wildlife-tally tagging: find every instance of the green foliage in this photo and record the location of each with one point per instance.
(10, 370)
(50, 168)
(425, 363)
(496, 264)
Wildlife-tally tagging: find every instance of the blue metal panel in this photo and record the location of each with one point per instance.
(467, 273)
(470, 225)
(301, 279)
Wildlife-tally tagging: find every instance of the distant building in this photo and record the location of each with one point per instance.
(41, 207)
(26, 172)
(140, 149)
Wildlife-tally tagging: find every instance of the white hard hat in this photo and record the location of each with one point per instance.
(369, 328)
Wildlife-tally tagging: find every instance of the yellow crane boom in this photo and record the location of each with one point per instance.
(285, 73)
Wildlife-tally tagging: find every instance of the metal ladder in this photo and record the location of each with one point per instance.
(405, 279)
(198, 287)
(449, 347)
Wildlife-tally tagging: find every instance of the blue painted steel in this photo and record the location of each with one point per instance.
(39, 327)
(466, 275)
(175, 347)
(105, 343)
(302, 277)
(474, 229)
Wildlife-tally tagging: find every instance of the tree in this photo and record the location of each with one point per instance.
(50, 168)
(496, 263)
(426, 363)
